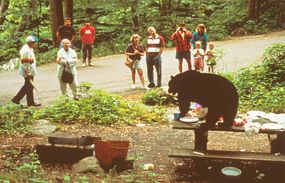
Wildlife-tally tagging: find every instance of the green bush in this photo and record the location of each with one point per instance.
(98, 107)
(274, 64)
(261, 87)
(47, 57)
(157, 96)
(13, 118)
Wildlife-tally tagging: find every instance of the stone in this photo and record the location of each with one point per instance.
(88, 164)
(42, 127)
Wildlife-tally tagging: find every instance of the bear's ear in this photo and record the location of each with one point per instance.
(171, 77)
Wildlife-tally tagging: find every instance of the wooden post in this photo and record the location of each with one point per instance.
(281, 141)
(201, 139)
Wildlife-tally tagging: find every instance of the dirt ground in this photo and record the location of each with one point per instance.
(151, 144)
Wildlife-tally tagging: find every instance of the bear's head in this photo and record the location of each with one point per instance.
(172, 85)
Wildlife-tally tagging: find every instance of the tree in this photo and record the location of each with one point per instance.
(3, 9)
(251, 9)
(68, 9)
(56, 16)
(135, 18)
(281, 14)
(27, 20)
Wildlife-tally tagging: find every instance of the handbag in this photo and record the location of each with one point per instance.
(66, 77)
(129, 62)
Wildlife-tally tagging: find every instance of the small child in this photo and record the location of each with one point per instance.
(198, 54)
(211, 60)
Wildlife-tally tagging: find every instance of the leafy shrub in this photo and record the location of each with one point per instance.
(261, 87)
(13, 118)
(21, 165)
(250, 26)
(47, 57)
(274, 64)
(96, 106)
(99, 107)
(157, 96)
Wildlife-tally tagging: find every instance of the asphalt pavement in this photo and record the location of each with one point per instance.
(110, 73)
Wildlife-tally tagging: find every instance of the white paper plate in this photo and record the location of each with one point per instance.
(189, 120)
(231, 171)
(272, 126)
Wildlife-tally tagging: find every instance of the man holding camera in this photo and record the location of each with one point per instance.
(182, 38)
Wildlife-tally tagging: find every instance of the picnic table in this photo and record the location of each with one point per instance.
(276, 155)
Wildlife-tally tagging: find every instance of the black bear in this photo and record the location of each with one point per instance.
(215, 92)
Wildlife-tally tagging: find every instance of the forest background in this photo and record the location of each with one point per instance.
(117, 20)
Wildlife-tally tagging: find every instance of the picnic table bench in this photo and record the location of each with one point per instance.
(276, 155)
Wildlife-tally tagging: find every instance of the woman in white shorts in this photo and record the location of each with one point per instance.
(135, 51)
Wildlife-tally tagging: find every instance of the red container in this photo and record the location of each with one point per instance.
(107, 151)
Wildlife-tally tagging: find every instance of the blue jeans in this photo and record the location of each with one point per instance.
(156, 62)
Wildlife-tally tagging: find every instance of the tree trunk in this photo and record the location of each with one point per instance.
(3, 9)
(251, 9)
(257, 9)
(281, 14)
(68, 9)
(135, 18)
(56, 15)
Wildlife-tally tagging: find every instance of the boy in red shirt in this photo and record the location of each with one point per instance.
(87, 36)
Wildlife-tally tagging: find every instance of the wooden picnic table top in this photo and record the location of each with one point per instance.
(197, 125)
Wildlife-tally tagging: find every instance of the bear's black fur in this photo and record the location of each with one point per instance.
(215, 92)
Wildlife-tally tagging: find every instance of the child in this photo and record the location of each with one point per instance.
(211, 60)
(198, 54)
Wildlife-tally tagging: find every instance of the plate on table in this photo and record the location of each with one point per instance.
(189, 120)
(272, 126)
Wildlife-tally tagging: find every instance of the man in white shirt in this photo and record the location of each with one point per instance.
(27, 69)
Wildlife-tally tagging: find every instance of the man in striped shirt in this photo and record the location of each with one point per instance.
(182, 38)
(154, 47)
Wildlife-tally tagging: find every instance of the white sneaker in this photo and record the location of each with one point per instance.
(145, 87)
(133, 86)
(83, 65)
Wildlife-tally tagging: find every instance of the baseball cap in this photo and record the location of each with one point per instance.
(30, 39)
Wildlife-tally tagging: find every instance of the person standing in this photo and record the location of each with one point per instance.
(200, 34)
(135, 51)
(66, 31)
(27, 69)
(154, 48)
(198, 54)
(211, 58)
(87, 35)
(67, 60)
(181, 37)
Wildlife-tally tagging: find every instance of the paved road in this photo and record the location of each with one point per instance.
(109, 73)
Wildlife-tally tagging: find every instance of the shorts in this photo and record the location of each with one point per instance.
(198, 63)
(183, 54)
(137, 64)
